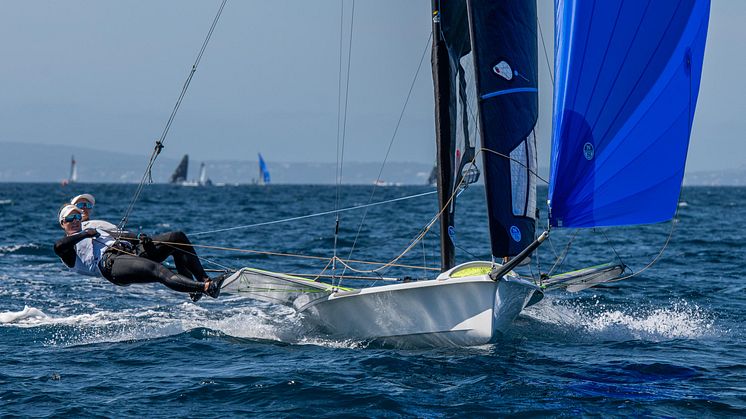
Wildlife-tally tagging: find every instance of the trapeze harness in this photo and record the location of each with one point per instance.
(122, 263)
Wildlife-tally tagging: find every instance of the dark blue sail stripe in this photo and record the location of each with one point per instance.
(509, 91)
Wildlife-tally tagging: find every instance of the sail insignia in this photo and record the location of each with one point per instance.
(627, 83)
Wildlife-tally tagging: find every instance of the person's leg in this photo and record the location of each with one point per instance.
(127, 269)
(185, 257)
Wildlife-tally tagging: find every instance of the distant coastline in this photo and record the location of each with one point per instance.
(42, 163)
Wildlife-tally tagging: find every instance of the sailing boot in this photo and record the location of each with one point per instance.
(195, 296)
(213, 290)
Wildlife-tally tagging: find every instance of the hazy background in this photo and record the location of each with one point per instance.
(104, 75)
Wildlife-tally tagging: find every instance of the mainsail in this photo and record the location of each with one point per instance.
(487, 90)
(505, 62)
(180, 174)
(627, 82)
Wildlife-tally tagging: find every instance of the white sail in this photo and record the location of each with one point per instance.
(73, 171)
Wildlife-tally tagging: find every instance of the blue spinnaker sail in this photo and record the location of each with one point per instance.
(627, 76)
(263, 171)
(505, 63)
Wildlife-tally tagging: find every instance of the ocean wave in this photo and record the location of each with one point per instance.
(22, 249)
(6, 202)
(27, 314)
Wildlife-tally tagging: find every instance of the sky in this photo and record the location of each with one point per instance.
(106, 75)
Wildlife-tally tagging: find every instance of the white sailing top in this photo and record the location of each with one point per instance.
(88, 253)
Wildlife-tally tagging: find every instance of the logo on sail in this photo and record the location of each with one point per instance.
(452, 234)
(503, 70)
(588, 151)
(515, 233)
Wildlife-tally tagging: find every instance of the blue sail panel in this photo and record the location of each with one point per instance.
(263, 171)
(628, 76)
(505, 61)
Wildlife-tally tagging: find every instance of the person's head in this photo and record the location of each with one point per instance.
(85, 203)
(70, 218)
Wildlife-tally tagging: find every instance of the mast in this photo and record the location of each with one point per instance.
(443, 138)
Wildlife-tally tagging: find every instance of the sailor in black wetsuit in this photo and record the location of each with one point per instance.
(95, 252)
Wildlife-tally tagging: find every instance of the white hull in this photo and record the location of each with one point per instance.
(448, 311)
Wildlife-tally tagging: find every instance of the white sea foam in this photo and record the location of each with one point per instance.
(16, 247)
(247, 319)
(23, 315)
(6, 201)
(679, 320)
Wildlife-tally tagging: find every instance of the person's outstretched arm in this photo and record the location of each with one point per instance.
(65, 247)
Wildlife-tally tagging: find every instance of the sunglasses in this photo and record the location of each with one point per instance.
(71, 218)
(82, 205)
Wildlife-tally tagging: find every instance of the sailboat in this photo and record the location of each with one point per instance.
(264, 177)
(203, 180)
(179, 175)
(73, 178)
(627, 80)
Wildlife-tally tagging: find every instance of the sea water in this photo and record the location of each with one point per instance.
(666, 342)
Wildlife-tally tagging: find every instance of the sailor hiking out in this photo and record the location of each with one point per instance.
(96, 252)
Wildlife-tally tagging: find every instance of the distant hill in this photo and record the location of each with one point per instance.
(51, 163)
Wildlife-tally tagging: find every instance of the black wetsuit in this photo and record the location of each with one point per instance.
(124, 263)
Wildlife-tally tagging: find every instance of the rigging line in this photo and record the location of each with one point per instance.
(423, 232)
(346, 101)
(323, 270)
(318, 214)
(391, 142)
(546, 55)
(561, 258)
(356, 277)
(201, 258)
(341, 151)
(660, 253)
(339, 117)
(612, 248)
(268, 253)
(161, 140)
(533, 172)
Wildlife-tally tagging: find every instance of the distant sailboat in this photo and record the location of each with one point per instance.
(73, 178)
(264, 177)
(73, 170)
(180, 174)
(432, 180)
(203, 179)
